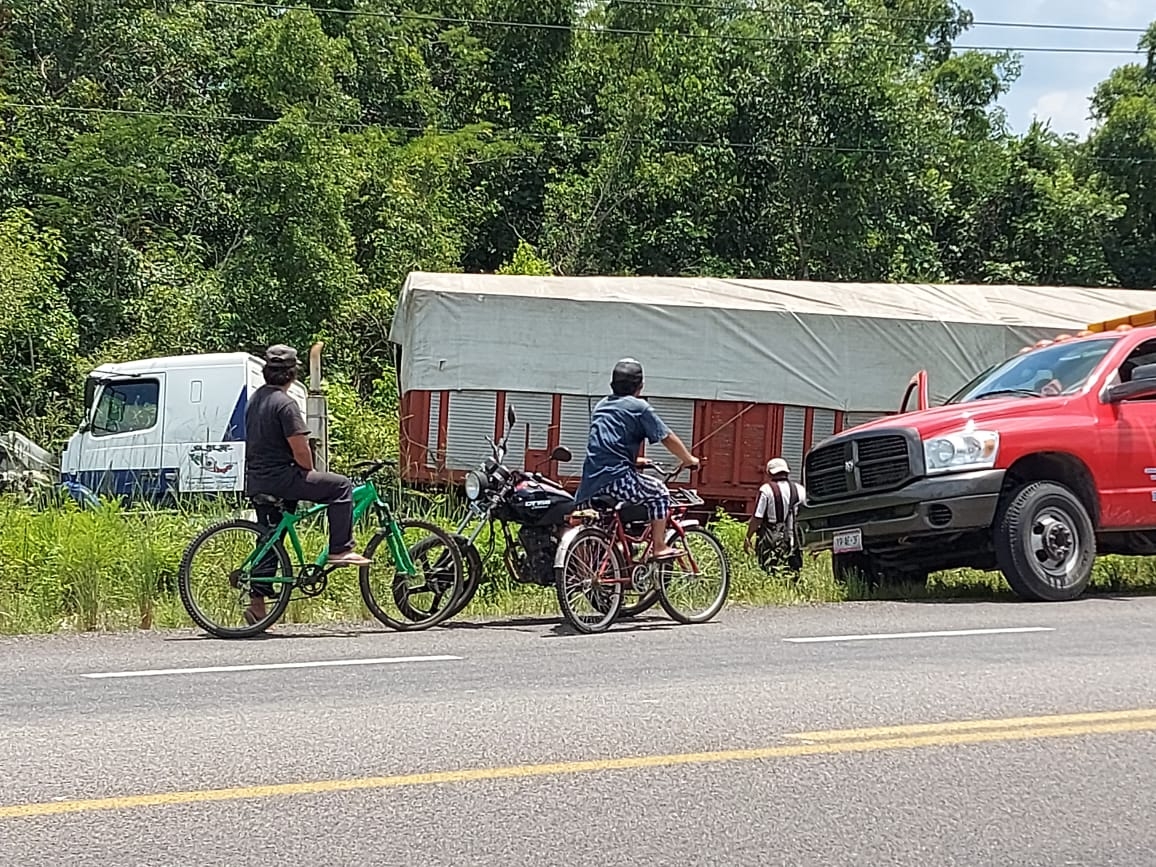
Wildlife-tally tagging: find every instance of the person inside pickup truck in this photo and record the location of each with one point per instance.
(279, 463)
(1068, 373)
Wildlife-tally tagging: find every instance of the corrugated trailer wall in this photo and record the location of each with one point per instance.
(443, 436)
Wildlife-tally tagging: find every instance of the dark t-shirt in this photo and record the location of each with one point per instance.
(272, 417)
(618, 426)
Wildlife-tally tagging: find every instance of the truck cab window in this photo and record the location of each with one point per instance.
(127, 406)
(1143, 354)
(1062, 368)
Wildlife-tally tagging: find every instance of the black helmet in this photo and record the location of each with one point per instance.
(627, 377)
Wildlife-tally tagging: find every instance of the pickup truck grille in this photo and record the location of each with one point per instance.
(877, 463)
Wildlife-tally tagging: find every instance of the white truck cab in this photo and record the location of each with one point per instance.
(161, 426)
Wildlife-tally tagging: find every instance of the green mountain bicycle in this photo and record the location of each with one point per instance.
(230, 562)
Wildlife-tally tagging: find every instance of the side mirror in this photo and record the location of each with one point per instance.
(562, 455)
(1140, 387)
(510, 417)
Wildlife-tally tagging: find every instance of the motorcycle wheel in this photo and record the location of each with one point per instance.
(469, 587)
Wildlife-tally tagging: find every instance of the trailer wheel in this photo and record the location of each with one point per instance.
(1045, 543)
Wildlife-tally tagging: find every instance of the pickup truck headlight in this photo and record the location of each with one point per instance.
(966, 450)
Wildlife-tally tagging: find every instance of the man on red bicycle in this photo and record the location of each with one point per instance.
(620, 423)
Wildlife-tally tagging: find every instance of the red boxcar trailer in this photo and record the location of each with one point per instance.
(742, 370)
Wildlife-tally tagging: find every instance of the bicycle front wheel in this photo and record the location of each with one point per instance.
(407, 602)
(693, 588)
(589, 583)
(216, 593)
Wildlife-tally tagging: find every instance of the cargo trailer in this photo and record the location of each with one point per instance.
(742, 370)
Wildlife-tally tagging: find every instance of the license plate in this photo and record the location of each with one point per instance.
(847, 541)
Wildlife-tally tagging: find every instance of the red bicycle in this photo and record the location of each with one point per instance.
(604, 556)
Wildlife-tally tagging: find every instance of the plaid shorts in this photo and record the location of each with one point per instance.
(635, 488)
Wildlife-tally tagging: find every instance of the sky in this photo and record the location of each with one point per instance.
(1056, 86)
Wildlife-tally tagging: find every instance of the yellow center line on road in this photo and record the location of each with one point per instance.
(895, 738)
(975, 725)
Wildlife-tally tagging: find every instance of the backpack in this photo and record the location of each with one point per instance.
(777, 543)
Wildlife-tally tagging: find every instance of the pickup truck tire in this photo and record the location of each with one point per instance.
(1045, 543)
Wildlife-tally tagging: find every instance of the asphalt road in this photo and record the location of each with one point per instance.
(652, 744)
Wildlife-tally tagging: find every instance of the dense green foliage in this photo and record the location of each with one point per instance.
(182, 176)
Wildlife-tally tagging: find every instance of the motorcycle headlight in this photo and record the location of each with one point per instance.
(956, 452)
(475, 481)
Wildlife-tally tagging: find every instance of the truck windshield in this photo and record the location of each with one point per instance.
(1059, 369)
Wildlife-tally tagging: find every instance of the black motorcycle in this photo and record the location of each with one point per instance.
(502, 496)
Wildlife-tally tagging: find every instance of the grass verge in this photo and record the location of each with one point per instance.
(63, 569)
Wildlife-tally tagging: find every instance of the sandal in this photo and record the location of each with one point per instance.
(348, 558)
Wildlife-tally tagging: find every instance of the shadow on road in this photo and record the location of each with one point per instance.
(559, 628)
(273, 636)
(564, 630)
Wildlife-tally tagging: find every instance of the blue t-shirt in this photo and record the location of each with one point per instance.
(618, 426)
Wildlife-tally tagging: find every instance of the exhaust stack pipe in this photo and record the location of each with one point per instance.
(317, 410)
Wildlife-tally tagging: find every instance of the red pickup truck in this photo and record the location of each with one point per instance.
(1035, 467)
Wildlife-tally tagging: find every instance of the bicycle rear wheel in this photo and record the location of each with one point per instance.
(213, 590)
(693, 588)
(590, 560)
(429, 594)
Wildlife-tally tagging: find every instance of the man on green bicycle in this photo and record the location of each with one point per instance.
(279, 463)
(618, 426)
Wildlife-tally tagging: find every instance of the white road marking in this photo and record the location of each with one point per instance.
(946, 633)
(271, 665)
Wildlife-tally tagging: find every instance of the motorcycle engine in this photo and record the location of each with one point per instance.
(539, 545)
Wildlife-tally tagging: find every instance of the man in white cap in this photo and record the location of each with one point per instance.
(774, 519)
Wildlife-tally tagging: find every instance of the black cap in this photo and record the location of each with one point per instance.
(627, 376)
(281, 356)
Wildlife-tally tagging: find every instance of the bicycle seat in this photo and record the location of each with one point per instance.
(632, 513)
(267, 500)
(602, 501)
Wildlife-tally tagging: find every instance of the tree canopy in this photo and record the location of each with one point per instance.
(199, 176)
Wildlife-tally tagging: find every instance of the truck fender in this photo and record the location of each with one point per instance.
(565, 543)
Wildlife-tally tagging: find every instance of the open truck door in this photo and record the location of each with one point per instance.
(916, 386)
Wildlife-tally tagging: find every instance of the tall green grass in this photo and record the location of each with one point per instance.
(115, 568)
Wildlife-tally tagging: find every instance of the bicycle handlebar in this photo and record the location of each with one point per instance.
(667, 473)
(372, 467)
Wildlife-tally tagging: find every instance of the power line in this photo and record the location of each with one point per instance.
(907, 19)
(621, 31)
(186, 115)
(512, 134)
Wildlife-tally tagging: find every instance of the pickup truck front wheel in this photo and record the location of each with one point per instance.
(1045, 543)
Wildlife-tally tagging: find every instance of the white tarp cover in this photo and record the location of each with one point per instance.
(849, 346)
